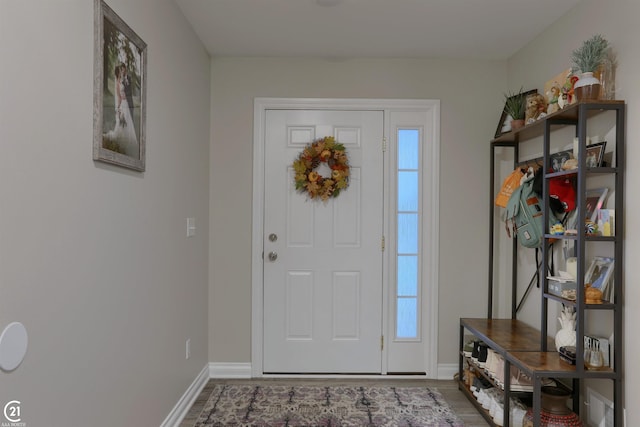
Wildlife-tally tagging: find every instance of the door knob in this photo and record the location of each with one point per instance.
(273, 256)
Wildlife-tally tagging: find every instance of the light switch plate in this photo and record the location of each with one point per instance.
(191, 227)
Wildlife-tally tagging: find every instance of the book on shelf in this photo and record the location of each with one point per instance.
(606, 222)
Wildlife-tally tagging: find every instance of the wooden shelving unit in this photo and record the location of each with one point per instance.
(531, 349)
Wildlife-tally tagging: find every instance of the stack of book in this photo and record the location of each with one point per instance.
(568, 354)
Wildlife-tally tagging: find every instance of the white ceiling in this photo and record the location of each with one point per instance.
(488, 29)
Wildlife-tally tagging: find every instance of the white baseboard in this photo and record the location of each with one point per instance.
(186, 401)
(229, 370)
(446, 371)
(211, 370)
(243, 370)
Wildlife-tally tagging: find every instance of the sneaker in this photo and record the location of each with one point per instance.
(480, 384)
(468, 348)
(481, 395)
(476, 351)
(489, 365)
(497, 409)
(498, 374)
(483, 398)
(517, 411)
(489, 396)
(482, 355)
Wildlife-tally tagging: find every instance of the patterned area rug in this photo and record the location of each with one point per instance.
(317, 406)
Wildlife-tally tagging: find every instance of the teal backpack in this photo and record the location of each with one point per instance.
(524, 216)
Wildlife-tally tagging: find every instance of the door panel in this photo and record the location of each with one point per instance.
(323, 281)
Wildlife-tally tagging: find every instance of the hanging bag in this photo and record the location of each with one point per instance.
(509, 184)
(524, 215)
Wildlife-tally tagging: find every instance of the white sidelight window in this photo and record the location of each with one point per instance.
(408, 215)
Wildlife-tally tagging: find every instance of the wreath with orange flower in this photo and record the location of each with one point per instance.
(308, 180)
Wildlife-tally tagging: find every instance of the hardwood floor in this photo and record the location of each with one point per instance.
(449, 390)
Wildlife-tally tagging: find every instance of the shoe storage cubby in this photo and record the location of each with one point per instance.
(529, 350)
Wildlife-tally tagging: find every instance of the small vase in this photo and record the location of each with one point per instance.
(587, 88)
(607, 81)
(554, 400)
(554, 410)
(516, 124)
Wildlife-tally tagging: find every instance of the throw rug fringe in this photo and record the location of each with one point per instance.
(319, 406)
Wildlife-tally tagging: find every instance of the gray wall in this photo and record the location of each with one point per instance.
(471, 102)
(548, 55)
(93, 258)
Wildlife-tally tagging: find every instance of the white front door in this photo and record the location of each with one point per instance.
(323, 262)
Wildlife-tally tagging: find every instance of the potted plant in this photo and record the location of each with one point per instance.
(586, 60)
(514, 106)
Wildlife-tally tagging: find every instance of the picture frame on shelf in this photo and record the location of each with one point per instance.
(558, 159)
(560, 86)
(119, 91)
(595, 154)
(599, 274)
(607, 222)
(504, 124)
(594, 200)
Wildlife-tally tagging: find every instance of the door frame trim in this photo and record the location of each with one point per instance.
(261, 105)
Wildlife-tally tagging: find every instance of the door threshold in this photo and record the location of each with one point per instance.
(416, 376)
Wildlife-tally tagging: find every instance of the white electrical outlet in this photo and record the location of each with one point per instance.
(188, 349)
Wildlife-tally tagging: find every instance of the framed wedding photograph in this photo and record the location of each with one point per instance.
(599, 273)
(119, 91)
(594, 201)
(595, 154)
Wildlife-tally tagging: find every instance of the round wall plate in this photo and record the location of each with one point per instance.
(13, 346)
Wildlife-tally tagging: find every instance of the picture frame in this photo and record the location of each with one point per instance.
(594, 154)
(599, 273)
(504, 124)
(558, 159)
(594, 200)
(119, 91)
(558, 86)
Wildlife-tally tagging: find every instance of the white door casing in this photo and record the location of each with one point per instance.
(349, 280)
(323, 282)
(408, 354)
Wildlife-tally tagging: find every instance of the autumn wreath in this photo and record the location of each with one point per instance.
(308, 180)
